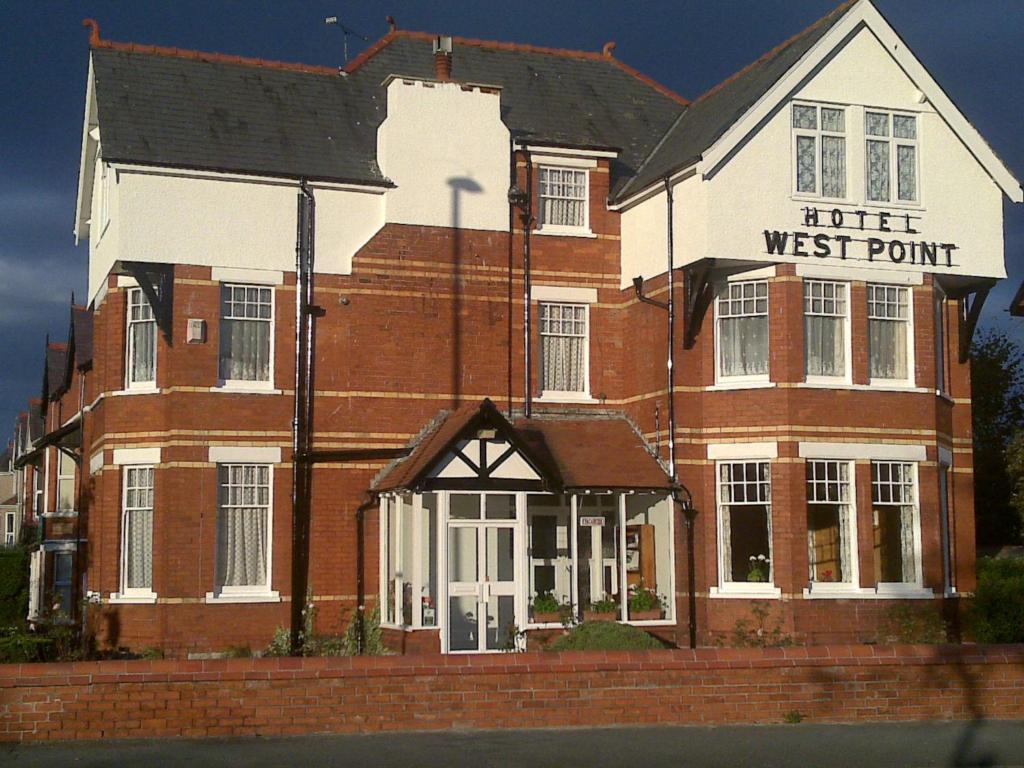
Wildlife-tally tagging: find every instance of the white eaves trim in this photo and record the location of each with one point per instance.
(889, 276)
(83, 203)
(865, 451)
(248, 454)
(249, 178)
(124, 456)
(536, 151)
(762, 450)
(864, 13)
(561, 293)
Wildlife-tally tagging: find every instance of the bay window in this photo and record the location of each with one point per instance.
(891, 153)
(246, 332)
(826, 332)
(744, 522)
(741, 330)
(895, 523)
(408, 560)
(564, 354)
(831, 530)
(889, 340)
(141, 341)
(63, 581)
(65, 482)
(820, 150)
(563, 198)
(549, 553)
(137, 531)
(244, 517)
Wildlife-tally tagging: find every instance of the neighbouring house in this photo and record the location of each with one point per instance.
(582, 346)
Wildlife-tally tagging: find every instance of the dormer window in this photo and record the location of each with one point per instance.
(564, 196)
(819, 145)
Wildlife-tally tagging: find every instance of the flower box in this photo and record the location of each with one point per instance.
(550, 617)
(652, 614)
(600, 615)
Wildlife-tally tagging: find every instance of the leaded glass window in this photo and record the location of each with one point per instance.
(820, 150)
(891, 156)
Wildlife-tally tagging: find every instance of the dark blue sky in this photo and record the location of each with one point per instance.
(972, 48)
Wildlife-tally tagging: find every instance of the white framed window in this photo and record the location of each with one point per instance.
(564, 349)
(408, 562)
(819, 151)
(63, 580)
(10, 529)
(891, 157)
(564, 198)
(744, 491)
(65, 482)
(246, 334)
(137, 531)
(741, 331)
(826, 330)
(140, 363)
(831, 524)
(244, 526)
(890, 341)
(895, 523)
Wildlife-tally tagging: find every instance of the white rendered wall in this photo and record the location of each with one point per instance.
(227, 221)
(103, 239)
(447, 151)
(753, 191)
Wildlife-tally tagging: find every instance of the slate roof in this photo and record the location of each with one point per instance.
(81, 331)
(53, 373)
(707, 118)
(573, 452)
(209, 111)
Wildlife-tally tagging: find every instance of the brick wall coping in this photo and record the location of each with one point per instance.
(169, 670)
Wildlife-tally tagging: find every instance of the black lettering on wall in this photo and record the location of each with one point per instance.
(776, 241)
(843, 241)
(799, 239)
(875, 247)
(810, 217)
(928, 253)
(897, 251)
(821, 247)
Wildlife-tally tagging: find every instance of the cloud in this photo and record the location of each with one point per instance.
(33, 287)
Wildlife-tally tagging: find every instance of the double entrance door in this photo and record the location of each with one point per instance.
(482, 567)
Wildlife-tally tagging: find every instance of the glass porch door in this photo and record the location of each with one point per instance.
(482, 566)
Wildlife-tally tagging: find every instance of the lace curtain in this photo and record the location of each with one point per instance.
(562, 361)
(887, 346)
(824, 346)
(805, 179)
(907, 544)
(906, 165)
(243, 549)
(878, 170)
(138, 541)
(143, 346)
(743, 346)
(245, 350)
(833, 166)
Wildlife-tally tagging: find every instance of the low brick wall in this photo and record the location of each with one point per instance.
(233, 697)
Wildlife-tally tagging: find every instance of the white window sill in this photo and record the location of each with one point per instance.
(60, 513)
(906, 205)
(142, 598)
(834, 591)
(566, 397)
(552, 230)
(902, 592)
(746, 592)
(246, 387)
(896, 386)
(827, 382)
(135, 391)
(215, 598)
(875, 387)
(805, 197)
(727, 385)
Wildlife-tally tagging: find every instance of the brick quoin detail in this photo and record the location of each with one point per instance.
(236, 697)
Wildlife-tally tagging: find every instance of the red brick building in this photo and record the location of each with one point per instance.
(506, 427)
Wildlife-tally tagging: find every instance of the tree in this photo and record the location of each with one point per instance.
(997, 402)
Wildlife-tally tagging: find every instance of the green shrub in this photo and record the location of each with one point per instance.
(643, 599)
(604, 636)
(997, 615)
(604, 606)
(13, 586)
(332, 645)
(545, 602)
(20, 646)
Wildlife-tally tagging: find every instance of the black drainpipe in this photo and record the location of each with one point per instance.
(527, 219)
(302, 442)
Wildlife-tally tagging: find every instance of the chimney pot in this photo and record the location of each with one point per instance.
(443, 58)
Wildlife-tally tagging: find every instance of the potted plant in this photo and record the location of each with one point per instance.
(644, 603)
(602, 610)
(547, 609)
(759, 568)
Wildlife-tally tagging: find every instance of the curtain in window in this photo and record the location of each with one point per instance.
(562, 360)
(138, 540)
(833, 166)
(805, 180)
(887, 345)
(563, 212)
(143, 346)
(906, 168)
(243, 547)
(726, 543)
(824, 346)
(845, 554)
(878, 170)
(245, 350)
(907, 544)
(744, 345)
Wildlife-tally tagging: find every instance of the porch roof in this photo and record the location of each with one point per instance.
(570, 452)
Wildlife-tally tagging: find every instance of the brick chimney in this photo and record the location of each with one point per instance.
(443, 58)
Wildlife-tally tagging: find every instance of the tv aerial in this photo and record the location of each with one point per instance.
(334, 21)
